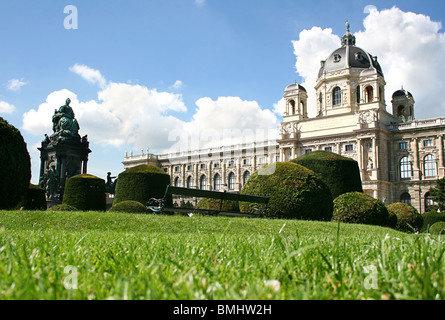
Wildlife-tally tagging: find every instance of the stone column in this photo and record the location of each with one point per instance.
(416, 164)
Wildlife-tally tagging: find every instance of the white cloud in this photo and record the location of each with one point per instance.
(225, 121)
(6, 107)
(89, 74)
(15, 84)
(177, 85)
(313, 46)
(369, 8)
(409, 47)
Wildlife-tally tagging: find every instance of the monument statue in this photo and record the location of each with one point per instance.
(65, 126)
(110, 185)
(63, 154)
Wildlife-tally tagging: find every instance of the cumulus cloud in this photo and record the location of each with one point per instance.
(137, 116)
(225, 121)
(313, 46)
(409, 47)
(89, 74)
(15, 84)
(6, 107)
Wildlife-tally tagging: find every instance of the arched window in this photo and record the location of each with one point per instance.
(430, 169)
(177, 182)
(429, 201)
(369, 94)
(336, 96)
(405, 168)
(400, 111)
(231, 181)
(189, 182)
(292, 107)
(357, 93)
(246, 177)
(405, 198)
(203, 182)
(217, 182)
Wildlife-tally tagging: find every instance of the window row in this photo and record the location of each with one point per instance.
(217, 181)
(337, 95)
(429, 167)
(406, 198)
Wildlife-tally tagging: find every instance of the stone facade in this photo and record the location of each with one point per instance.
(399, 157)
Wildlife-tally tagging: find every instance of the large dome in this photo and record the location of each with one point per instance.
(350, 56)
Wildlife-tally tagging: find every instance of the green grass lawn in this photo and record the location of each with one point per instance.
(92, 255)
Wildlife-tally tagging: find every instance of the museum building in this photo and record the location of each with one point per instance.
(400, 158)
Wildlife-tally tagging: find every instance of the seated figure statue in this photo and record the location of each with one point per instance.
(65, 126)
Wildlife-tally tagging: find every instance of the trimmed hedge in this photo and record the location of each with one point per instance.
(129, 206)
(341, 174)
(85, 192)
(430, 218)
(213, 204)
(295, 192)
(15, 167)
(438, 228)
(63, 207)
(141, 183)
(408, 218)
(357, 207)
(36, 198)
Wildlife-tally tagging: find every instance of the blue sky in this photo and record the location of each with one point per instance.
(184, 56)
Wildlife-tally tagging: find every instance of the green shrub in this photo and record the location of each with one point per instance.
(141, 183)
(438, 228)
(357, 207)
(341, 174)
(129, 206)
(408, 218)
(15, 167)
(85, 192)
(295, 192)
(36, 198)
(214, 204)
(430, 218)
(63, 207)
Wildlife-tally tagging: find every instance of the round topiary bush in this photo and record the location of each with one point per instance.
(341, 174)
(430, 218)
(141, 183)
(408, 218)
(63, 207)
(438, 228)
(295, 192)
(85, 192)
(36, 198)
(214, 204)
(15, 167)
(358, 207)
(129, 206)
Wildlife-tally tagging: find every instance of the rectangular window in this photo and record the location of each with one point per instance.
(203, 165)
(231, 163)
(403, 145)
(349, 147)
(216, 165)
(246, 161)
(428, 143)
(328, 149)
(176, 168)
(189, 167)
(262, 160)
(307, 151)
